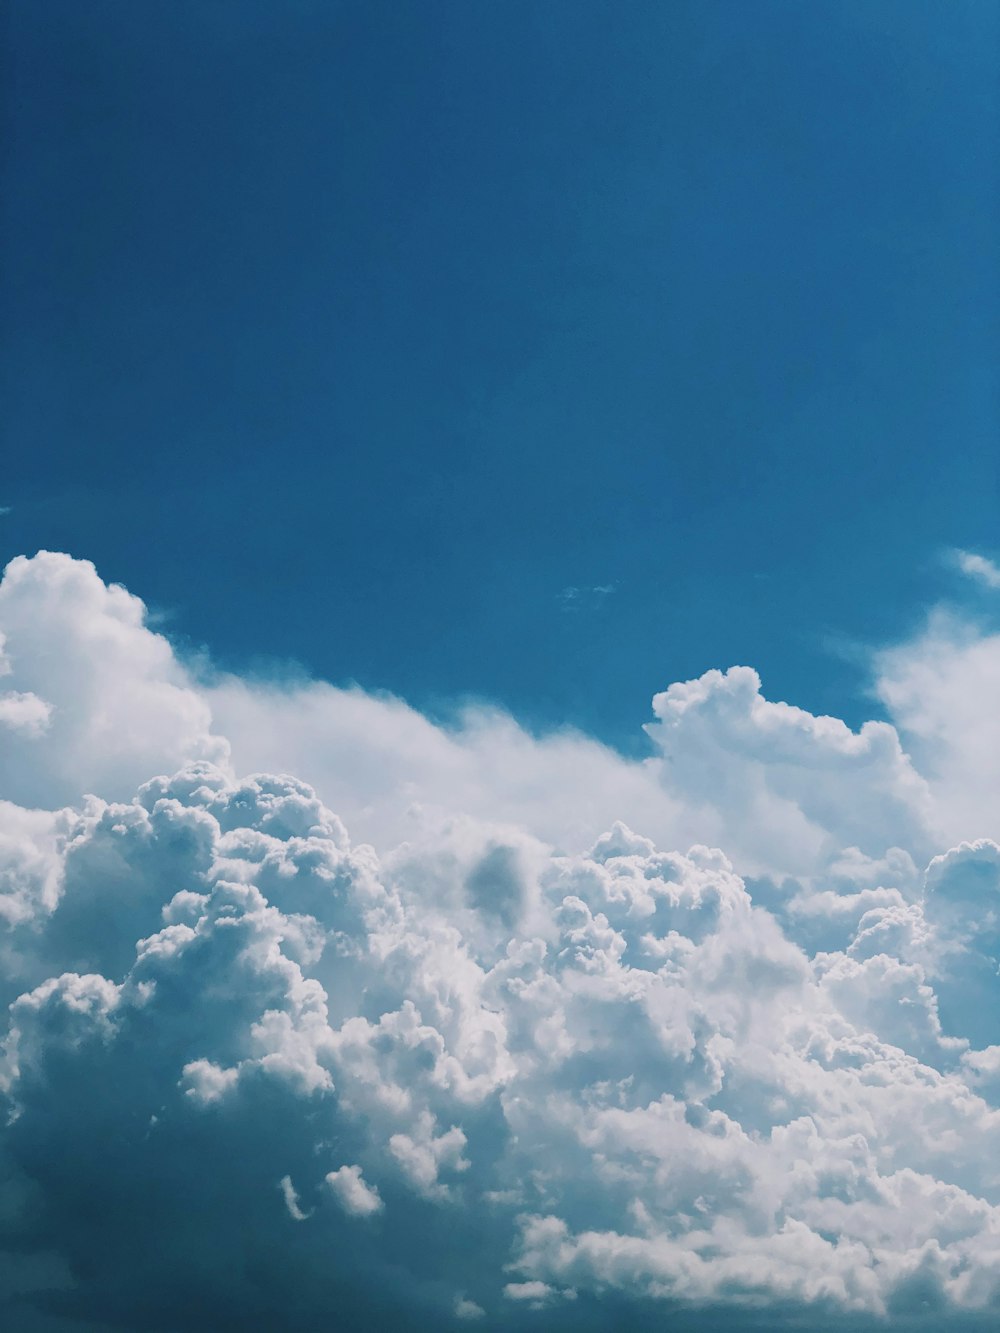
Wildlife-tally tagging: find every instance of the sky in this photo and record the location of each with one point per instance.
(499, 664)
(453, 307)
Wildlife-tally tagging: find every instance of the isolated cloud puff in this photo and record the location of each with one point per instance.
(255, 1074)
(354, 1195)
(978, 567)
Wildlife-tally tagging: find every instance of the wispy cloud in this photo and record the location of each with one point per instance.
(5, 509)
(585, 598)
(978, 567)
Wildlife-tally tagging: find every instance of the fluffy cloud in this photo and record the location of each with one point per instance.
(513, 1062)
(782, 790)
(791, 786)
(941, 689)
(354, 1196)
(103, 695)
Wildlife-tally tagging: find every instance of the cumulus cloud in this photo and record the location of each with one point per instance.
(512, 1056)
(106, 691)
(352, 1193)
(794, 789)
(25, 712)
(941, 690)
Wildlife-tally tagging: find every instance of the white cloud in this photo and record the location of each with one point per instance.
(941, 690)
(468, 1310)
(978, 567)
(392, 774)
(114, 694)
(25, 712)
(781, 789)
(784, 787)
(557, 1060)
(537, 1294)
(352, 1193)
(291, 1198)
(206, 1082)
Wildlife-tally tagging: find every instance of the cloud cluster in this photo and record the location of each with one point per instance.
(516, 1064)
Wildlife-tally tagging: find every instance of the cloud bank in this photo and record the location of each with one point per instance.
(445, 1031)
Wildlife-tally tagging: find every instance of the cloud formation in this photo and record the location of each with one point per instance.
(510, 1060)
(587, 598)
(978, 567)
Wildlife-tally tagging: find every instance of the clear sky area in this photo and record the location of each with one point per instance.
(364, 334)
(499, 666)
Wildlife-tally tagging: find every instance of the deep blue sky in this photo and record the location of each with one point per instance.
(354, 333)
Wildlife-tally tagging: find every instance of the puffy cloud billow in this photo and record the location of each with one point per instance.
(443, 1032)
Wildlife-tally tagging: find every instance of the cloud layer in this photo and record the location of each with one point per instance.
(509, 1060)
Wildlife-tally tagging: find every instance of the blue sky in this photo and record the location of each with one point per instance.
(356, 333)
